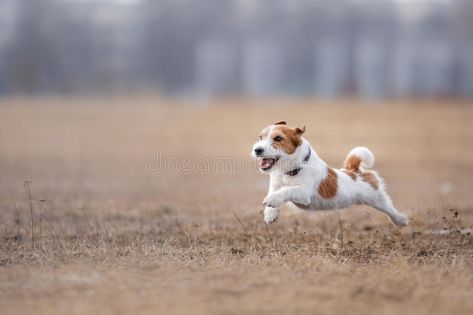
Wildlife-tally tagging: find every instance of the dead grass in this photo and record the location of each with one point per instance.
(111, 237)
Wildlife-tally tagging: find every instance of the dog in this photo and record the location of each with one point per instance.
(298, 176)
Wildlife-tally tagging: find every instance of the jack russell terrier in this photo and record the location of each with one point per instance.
(297, 175)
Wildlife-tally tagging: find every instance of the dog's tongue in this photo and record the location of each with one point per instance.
(265, 162)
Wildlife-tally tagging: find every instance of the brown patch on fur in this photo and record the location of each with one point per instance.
(371, 179)
(352, 163)
(280, 123)
(328, 187)
(350, 173)
(291, 138)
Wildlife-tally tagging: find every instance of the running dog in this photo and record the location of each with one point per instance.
(298, 176)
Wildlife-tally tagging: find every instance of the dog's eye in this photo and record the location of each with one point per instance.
(261, 137)
(278, 138)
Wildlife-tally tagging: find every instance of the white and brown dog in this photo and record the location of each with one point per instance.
(300, 177)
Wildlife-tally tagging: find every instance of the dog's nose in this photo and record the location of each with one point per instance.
(259, 151)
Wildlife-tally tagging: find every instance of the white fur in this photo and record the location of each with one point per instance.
(367, 158)
(301, 191)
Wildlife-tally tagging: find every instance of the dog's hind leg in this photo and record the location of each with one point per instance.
(382, 202)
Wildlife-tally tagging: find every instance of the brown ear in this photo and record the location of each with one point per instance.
(280, 123)
(300, 131)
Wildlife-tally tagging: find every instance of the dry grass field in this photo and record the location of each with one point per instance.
(147, 206)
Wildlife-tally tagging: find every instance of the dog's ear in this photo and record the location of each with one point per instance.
(280, 123)
(300, 131)
(297, 137)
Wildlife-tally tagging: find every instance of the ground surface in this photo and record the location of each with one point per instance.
(142, 206)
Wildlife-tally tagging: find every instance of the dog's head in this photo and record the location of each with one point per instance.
(277, 142)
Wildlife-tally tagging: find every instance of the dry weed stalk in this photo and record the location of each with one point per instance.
(26, 184)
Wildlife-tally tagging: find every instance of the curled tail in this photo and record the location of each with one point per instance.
(358, 159)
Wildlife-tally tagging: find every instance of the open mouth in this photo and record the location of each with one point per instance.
(268, 163)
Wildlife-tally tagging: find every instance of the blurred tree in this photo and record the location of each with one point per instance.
(30, 58)
(372, 48)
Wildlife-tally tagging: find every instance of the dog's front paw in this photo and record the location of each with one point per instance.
(273, 200)
(270, 215)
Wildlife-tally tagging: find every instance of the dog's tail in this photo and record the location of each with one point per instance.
(359, 157)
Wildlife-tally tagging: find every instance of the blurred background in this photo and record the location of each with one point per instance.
(119, 194)
(371, 49)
